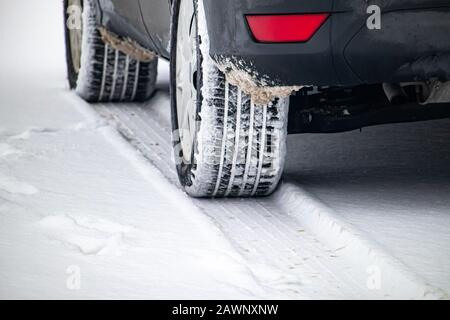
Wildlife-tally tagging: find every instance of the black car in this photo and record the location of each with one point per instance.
(245, 73)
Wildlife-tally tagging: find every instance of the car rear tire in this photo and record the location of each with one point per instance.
(96, 70)
(225, 145)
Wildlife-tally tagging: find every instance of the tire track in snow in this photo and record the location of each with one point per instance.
(89, 235)
(287, 239)
(12, 185)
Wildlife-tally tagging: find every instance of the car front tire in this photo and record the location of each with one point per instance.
(97, 71)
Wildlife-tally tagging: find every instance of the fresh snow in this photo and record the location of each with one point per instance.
(73, 193)
(392, 183)
(90, 205)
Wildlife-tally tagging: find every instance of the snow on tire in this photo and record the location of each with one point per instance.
(105, 73)
(242, 145)
(238, 147)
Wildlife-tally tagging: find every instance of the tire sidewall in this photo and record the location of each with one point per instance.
(184, 169)
(72, 75)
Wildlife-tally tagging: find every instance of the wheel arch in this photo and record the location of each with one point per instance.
(124, 18)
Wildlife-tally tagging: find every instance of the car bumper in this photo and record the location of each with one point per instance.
(412, 44)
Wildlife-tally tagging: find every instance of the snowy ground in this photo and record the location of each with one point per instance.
(90, 191)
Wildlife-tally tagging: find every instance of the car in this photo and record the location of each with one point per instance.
(246, 73)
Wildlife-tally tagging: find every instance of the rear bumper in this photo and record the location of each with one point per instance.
(413, 43)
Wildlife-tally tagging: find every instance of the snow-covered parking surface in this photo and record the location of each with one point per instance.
(90, 206)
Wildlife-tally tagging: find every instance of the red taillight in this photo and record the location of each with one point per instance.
(285, 28)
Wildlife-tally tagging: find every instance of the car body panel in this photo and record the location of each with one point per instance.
(343, 52)
(124, 18)
(156, 15)
(411, 42)
(410, 30)
(411, 45)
